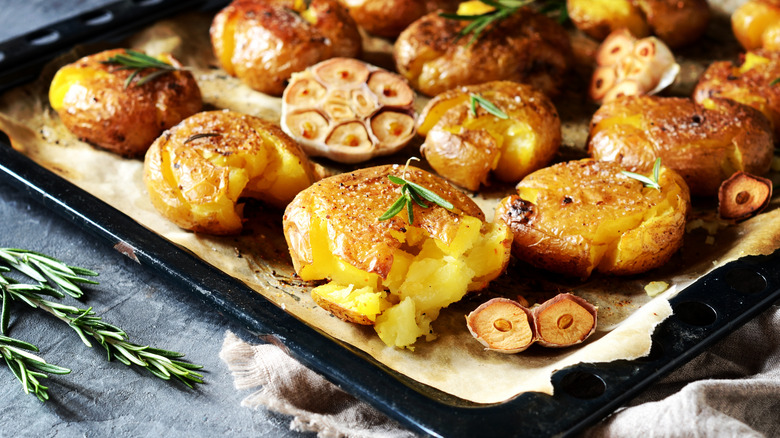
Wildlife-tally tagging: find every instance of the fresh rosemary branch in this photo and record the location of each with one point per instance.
(775, 81)
(40, 266)
(647, 181)
(502, 9)
(488, 105)
(138, 62)
(27, 367)
(412, 193)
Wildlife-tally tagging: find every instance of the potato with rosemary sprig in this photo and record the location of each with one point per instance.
(263, 42)
(578, 217)
(398, 244)
(198, 171)
(388, 18)
(706, 143)
(483, 43)
(122, 100)
(501, 129)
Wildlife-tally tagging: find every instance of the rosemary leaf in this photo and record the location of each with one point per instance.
(138, 62)
(647, 181)
(775, 81)
(489, 106)
(412, 193)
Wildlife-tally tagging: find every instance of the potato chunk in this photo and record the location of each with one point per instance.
(388, 18)
(704, 143)
(197, 171)
(392, 274)
(756, 24)
(580, 216)
(466, 148)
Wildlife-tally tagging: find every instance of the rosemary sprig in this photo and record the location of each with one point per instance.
(412, 193)
(27, 367)
(502, 9)
(198, 136)
(138, 62)
(161, 363)
(775, 81)
(555, 9)
(651, 182)
(39, 267)
(488, 105)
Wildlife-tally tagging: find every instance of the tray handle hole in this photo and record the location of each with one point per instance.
(583, 385)
(96, 18)
(695, 313)
(43, 37)
(745, 281)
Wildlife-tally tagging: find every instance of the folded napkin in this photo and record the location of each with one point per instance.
(732, 389)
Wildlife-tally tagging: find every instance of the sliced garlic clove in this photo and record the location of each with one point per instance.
(342, 72)
(308, 125)
(304, 92)
(615, 47)
(363, 102)
(390, 89)
(350, 135)
(603, 80)
(392, 128)
(625, 88)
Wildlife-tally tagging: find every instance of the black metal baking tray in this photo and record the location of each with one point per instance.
(703, 313)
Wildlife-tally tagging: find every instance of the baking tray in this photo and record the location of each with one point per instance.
(705, 312)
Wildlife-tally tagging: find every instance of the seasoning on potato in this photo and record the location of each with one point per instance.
(706, 143)
(752, 82)
(263, 42)
(467, 141)
(436, 53)
(198, 171)
(121, 100)
(756, 24)
(583, 216)
(348, 111)
(392, 274)
(677, 23)
(388, 18)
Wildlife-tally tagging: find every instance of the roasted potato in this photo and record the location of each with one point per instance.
(391, 274)
(263, 42)
(388, 18)
(583, 216)
(198, 171)
(750, 83)
(467, 148)
(96, 103)
(348, 111)
(704, 143)
(525, 47)
(676, 22)
(756, 24)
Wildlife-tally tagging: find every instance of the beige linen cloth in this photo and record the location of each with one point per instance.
(732, 389)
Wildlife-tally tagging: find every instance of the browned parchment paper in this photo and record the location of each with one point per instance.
(454, 363)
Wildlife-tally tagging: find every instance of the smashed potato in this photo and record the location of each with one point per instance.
(676, 22)
(704, 143)
(466, 148)
(96, 103)
(197, 171)
(391, 274)
(750, 83)
(525, 47)
(263, 42)
(756, 24)
(388, 18)
(583, 216)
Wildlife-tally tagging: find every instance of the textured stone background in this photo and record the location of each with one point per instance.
(101, 398)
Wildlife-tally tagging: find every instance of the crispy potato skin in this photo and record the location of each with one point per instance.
(748, 84)
(756, 24)
(93, 103)
(580, 216)
(197, 171)
(352, 202)
(676, 22)
(705, 145)
(467, 150)
(527, 47)
(388, 18)
(263, 42)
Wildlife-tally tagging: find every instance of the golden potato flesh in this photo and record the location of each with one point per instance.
(599, 18)
(263, 42)
(197, 171)
(388, 18)
(706, 143)
(93, 102)
(391, 274)
(756, 24)
(583, 216)
(525, 47)
(749, 83)
(466, 148)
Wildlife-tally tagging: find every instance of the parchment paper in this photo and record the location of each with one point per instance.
(454, 363)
